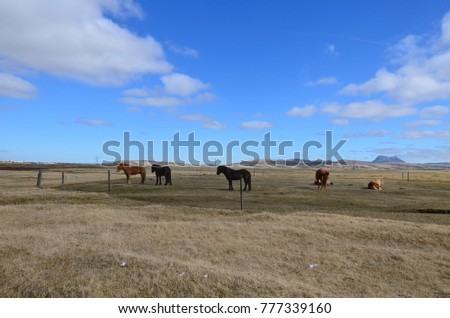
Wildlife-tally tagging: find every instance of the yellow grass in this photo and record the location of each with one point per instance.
(290, 240)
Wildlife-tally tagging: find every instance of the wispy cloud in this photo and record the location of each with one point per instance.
(423, 74)
(435, 111)
(6, 109)
(182, 50)
(206, 121)
(256, 125)
(443, 135)
(93, 122)
(331, 49)
(340, 121)
(134, 109)
(329, 80)
(369, 134)
(15, 87)
(306, 111)
(371, 109)
(422, 123)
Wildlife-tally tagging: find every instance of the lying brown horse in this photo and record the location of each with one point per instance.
(375, 184)
(132, 170)
(232, 174)
(322, 175)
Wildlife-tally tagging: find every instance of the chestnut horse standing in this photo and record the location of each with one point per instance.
(129, 171)
(322, 175)
(232, 174)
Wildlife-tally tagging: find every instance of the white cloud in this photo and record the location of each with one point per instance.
(371, 133)
(331, 49)
(421, 123)
(76, 39)
(423, 73)
(340, 121)
(329, 80)
(158, 101)
(136, 92)
(306, 111)
(256, 125)
(93, 122)
(444, 135)
(177, 90)
(383, 81)
(435, 111)
(6, 109)
(182, 50)
(134, 109)
(15, 87)
(371, 109)
(206, 121)
(182, 85)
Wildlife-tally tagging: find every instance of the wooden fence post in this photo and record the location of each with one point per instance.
(39, 179)
(408, 175)
(240, 190)
(109, 181)
(62, 178)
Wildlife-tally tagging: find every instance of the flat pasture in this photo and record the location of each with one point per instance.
(191, 239)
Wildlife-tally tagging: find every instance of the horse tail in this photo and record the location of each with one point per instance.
(169, 176)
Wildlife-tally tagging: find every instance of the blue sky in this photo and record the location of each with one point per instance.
(76, 74)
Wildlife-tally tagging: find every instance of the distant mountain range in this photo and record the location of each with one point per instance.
(384, 159)
(381, 162)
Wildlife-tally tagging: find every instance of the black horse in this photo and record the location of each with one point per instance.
(232, 174)
(162, 172)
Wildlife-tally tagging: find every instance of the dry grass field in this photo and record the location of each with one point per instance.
(192, 239)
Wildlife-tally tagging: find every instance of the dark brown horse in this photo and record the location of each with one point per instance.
(322, 176)
(132, 170)
(232, 174)
(162, 172)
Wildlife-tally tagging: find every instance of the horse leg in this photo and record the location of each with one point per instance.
(230, 185)
(168, 180)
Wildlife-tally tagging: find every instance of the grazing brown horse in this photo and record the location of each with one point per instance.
(328, 182)
(162, 172)
(322, 175)
(232, 174)
(129, 171)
